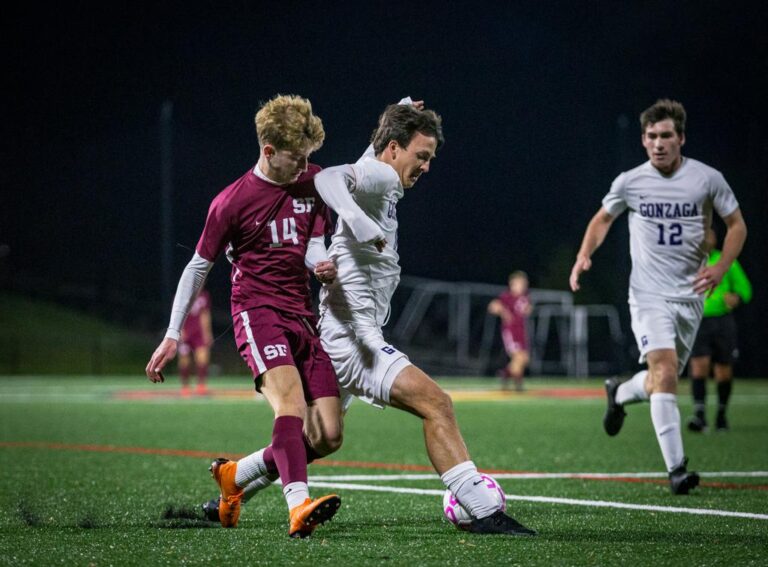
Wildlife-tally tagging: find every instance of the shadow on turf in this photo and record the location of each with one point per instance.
(33, 520)
(182, 518)
(28, 516)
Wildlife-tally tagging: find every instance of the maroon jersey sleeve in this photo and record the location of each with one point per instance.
(217, 232)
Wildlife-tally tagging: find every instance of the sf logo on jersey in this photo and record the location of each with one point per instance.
(304, 205)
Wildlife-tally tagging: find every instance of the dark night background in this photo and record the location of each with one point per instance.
(539, 100)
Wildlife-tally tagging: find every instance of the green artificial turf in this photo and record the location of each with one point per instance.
(92, 478)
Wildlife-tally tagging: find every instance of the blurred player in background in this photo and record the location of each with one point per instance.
(670, 199)
(514, 307)
(272, 225)
(716, 347)
(356, 305)
(196, 341)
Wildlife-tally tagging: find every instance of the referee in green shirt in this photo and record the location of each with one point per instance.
(715, 347)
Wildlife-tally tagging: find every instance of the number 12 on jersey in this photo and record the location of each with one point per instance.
(673, 236)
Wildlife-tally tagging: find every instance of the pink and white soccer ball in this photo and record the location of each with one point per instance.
(458, 515)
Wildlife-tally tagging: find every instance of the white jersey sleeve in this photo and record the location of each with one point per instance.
(334, 185)
(376, 189)
(723, 198)
(615, 202)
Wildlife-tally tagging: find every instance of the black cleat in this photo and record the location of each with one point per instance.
(614, 413)
(499, 523)
(697, 423)
(681, 481)
(721, 423)
(211, 510)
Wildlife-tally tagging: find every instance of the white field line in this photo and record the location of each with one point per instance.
(548, 500)
(527, 476)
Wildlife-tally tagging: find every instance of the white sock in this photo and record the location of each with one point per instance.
(666, 421)
(250, 468)
(295, 493)
(465, 483)
(264, 481)
(633, 390)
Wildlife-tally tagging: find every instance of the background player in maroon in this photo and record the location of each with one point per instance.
(513, 306)
(196, 341)
(272, 225)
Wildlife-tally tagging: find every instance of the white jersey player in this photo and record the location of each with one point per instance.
(670, 200)
(354, 309)
(356, 306)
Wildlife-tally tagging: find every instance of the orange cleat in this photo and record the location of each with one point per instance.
(223, 471)
(307, 516)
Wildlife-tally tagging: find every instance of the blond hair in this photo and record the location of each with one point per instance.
(287, 123)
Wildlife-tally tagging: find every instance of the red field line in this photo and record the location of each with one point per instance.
(326, 462)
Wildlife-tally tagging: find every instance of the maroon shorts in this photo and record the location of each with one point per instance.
(515, 340)
(190, 342)
(267, 338)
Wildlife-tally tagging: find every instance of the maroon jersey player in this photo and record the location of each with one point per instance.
(513, 306)
(196, 341)
(271, 224)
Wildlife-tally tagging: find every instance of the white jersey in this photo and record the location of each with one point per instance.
(668, 217)
(376, 188)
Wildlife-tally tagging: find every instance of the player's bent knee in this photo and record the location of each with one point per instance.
(331, 444)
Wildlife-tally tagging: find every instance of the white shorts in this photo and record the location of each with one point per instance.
(350, 331)
(660, 323)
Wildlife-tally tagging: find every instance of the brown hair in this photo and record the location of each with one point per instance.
(663, 109)
(287, 122)
(399, 122)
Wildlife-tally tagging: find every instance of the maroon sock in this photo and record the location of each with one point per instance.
(184, 375)
(288, 450)
(202, 374)
(269, 456)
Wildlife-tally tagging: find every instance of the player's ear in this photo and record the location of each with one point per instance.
(268, 150)
(682, 139)
(393, 147)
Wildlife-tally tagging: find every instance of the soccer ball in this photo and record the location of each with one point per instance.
(458, 515)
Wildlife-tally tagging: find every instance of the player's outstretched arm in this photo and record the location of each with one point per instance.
(710, 276)
(191, 282)
(597, 229)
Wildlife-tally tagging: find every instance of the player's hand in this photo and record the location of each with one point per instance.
(732, 300)
(163, 354)
(380, 244)
(583, 264)
(708, 279)
(418, 104)
(325, 271)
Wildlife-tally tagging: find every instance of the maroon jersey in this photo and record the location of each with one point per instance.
(193, 332)
(518, 306)
(265, 229)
